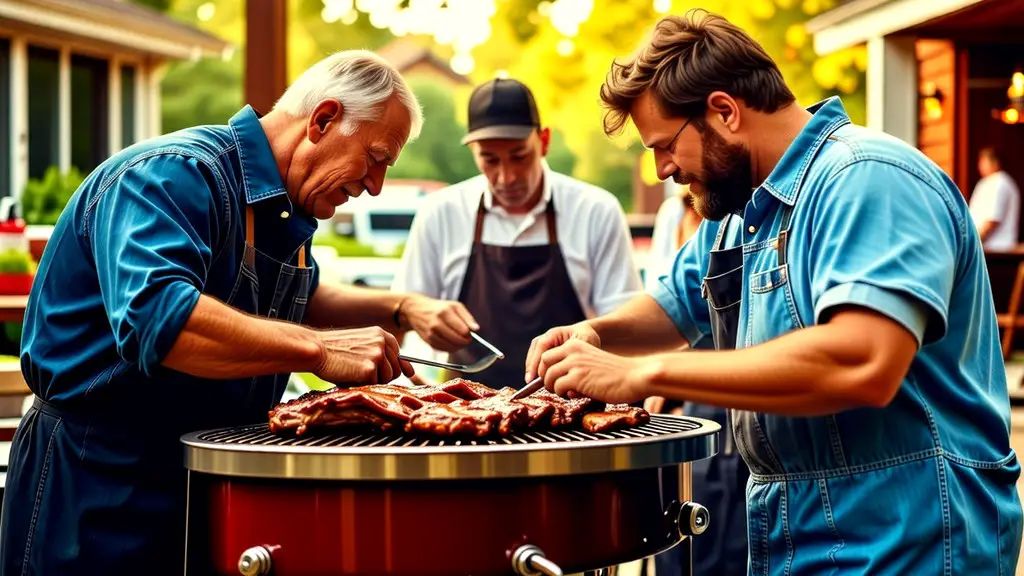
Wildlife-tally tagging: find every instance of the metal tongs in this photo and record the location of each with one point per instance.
(534, 385)
(478, 366)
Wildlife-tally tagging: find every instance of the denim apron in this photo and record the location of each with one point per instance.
(99, 486)
(516, 293)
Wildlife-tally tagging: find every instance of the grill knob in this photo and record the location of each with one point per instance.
(693, 519)
(255, 561)
(528, 560)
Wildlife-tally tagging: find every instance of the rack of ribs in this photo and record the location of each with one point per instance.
(615, 417)
(454, 408)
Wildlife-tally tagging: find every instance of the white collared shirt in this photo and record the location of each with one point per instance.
(592, 232)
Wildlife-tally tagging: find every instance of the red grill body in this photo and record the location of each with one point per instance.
(456, 523)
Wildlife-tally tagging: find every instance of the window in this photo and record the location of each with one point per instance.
(5, 117)
(128, 105)
(90, 91)
(43, 110)
(390, 221)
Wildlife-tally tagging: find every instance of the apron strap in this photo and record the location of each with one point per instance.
(250, 239)
(250, 236)
(549, 215)
(720, 239)
(783, 240)
(478, 232)
(552, 228)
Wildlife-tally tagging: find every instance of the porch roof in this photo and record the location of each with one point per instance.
(116, 22)
(857, 21)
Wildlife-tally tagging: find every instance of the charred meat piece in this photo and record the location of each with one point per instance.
(466, 389)
(514, 416)
(424, 393)
(539, 412)
(334, 408)
(453, 420)
(565, 411)
(615, 417)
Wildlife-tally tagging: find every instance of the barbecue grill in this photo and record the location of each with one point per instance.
(537, 502)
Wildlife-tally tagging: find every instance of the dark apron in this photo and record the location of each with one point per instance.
(719, 483)
(515, 293)
(94, 489)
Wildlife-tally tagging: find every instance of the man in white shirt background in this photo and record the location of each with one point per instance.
(524, 248)
(995, 204)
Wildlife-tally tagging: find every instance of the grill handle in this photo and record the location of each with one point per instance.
(528, 560)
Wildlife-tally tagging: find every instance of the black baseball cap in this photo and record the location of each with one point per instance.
(501, 108)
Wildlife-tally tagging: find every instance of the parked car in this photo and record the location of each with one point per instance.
(373, 230)
(383, 221)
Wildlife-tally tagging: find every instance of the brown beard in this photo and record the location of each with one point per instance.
(727, 177)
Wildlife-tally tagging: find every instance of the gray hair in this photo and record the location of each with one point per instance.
(361, 80)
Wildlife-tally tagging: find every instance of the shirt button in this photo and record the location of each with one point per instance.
(284, 214)
(751, 229)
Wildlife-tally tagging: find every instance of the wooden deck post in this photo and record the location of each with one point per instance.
(266, 52)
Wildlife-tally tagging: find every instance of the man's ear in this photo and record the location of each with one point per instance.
(326, 116)
(545, 140)
(723, 110)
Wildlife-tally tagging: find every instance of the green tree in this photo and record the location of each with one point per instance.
(437, 153)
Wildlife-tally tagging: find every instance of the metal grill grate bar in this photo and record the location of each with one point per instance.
(261, 436)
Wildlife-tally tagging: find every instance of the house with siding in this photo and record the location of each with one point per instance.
(80, 79)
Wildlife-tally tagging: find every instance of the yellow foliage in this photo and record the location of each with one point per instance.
(811, 7)
(796, 36)
(648, 168)
(762, 9)
(825, 73)
(785, 4)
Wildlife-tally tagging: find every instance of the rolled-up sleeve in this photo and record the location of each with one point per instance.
(151, 234)
(883, 239)
(679, 292)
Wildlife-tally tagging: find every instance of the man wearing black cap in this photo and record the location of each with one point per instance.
(523, 247)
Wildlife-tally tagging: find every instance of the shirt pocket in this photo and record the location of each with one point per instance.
(771, 310)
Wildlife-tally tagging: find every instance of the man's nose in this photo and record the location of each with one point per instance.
(374, 180)
(506, 175)
(664, 164)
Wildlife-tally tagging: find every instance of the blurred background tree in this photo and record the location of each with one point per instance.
(561, 49)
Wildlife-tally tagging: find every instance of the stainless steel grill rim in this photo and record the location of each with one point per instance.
(254, 451)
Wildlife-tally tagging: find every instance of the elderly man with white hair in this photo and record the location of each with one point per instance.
(178, 293)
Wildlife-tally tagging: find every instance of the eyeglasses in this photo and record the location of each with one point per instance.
(672, 144)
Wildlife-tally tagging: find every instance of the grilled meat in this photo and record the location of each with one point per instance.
(453, 420)
(466, 389)
(615, 417)
(564, 411)
(455, 408)
(320, 409)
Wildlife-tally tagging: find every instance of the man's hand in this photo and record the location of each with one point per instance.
(360, 356)
(654, 404)
(443, 324)
(577, 368)
(555, 337)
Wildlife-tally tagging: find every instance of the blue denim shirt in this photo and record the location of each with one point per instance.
(151, 229)
(874, 224)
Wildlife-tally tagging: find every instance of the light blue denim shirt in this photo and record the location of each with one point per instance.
(874, 224)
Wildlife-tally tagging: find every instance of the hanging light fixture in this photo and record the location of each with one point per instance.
(1014, 110)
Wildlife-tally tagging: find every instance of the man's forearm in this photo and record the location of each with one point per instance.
(638, 327)
(809, 372)
(219, 342)
(344, 306)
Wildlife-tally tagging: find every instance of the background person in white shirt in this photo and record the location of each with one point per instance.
(995, 204)
(524, 248)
